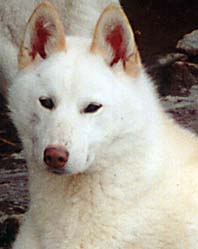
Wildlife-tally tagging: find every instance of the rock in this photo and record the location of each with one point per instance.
(176, 77)
(14, 196)
(189, 43)
(170, 59)
(183, 75)
(9, 228)
(162, 70)
(184, 109)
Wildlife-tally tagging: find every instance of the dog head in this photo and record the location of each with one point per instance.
(75, 101)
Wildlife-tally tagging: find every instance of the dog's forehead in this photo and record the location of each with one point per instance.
(76, 69)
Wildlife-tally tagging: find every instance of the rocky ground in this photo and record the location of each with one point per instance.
(175, 71)
(13, 180)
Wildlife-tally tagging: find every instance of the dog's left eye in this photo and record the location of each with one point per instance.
(47, 103)
(91, 108)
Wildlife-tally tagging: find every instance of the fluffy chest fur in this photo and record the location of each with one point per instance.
(87, 216)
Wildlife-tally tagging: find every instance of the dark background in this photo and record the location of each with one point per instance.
(159, 24)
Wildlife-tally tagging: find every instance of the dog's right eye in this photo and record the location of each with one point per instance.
(47, 103)
(91, 108)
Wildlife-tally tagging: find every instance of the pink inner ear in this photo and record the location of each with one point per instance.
(41, 34)
(116, 39)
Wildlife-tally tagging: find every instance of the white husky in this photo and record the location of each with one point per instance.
(107, 168)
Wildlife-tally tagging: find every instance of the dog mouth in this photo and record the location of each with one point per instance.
(65, 170)
(56, 171)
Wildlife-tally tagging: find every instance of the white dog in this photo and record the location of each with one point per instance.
(107, 167)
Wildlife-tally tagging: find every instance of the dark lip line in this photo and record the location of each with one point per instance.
(56, 171)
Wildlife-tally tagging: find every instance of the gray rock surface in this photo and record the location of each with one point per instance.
(170, 58)
(183, 75)
(189, 43)
(177, 72)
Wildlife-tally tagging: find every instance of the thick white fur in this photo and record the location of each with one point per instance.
(79, 18)
(8, 63)
(134, 171)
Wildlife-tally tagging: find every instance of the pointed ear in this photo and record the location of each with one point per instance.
(114, 40)
(44, 35)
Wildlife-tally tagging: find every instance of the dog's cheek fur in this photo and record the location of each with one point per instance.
(24, 114)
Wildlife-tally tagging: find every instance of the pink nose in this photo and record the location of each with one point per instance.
(56, 156)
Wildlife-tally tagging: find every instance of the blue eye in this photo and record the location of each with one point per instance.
(47, 103)
(93, 107)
